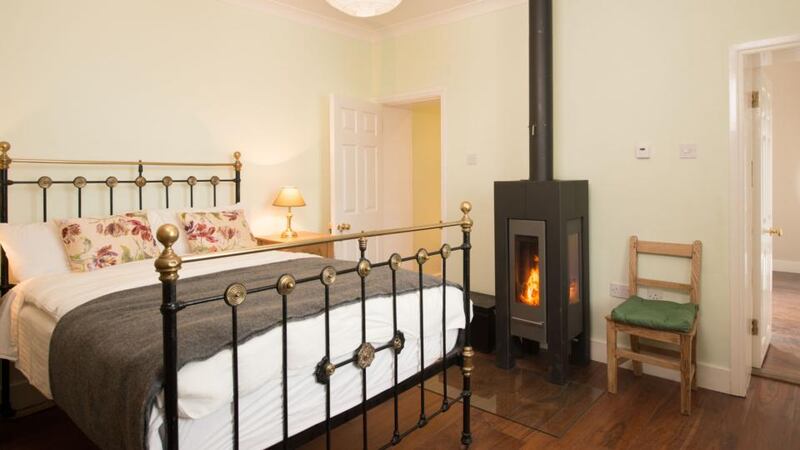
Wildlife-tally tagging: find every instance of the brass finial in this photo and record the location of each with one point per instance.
(5, 160)
(168, 263)
(238, 162)
(466, 221)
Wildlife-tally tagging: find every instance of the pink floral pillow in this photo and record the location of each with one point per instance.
(93, 244)
(217, 231)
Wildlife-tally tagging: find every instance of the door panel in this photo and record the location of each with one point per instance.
(356, 171)
(762, 196)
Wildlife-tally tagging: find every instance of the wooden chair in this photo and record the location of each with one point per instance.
(684, 359)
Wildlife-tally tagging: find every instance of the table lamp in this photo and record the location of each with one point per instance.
(288, 197)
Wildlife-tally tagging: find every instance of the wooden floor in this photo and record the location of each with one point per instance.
(783, 356)
(645, 414)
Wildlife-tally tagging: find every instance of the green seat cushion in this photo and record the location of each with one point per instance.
(656, 314)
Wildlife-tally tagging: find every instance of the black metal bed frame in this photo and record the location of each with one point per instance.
(168, 264)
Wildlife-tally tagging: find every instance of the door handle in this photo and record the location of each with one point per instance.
(343, 227)
(775, 231)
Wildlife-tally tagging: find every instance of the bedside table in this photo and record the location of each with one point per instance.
(324, 250)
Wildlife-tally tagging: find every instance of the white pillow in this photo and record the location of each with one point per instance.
(33, 249)
(158, 217)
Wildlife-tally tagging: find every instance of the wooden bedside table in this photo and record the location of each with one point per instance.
(324, 250)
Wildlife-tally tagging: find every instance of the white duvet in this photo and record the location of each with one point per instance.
(31, 310)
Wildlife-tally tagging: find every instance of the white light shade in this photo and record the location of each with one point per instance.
(364, 8)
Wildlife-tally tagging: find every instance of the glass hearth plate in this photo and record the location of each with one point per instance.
(521, 394)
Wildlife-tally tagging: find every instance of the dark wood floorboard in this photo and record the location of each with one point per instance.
(645, 414)
(783, 356)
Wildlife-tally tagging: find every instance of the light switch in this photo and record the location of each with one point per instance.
(688, 151)
(472, 159)
(643, 151)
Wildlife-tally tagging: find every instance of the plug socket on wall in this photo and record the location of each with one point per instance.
(618, 290)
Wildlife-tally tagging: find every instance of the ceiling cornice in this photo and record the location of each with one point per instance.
(459, 13)
(306, 17)
(371, 33)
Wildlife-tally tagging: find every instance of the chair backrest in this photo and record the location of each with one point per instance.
(691, 251)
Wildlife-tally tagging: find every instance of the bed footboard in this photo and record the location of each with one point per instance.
(169, 265)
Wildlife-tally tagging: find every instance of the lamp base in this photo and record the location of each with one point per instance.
(288, 233)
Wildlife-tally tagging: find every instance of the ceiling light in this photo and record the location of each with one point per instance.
(364, 8)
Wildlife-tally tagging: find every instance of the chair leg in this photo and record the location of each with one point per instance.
(694, 362)
(637, 365)
(611, 342)
(686, 382)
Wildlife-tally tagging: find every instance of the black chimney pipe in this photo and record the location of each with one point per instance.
(540, 51)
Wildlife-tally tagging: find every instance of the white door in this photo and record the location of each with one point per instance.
(763, 226)
(356, 173)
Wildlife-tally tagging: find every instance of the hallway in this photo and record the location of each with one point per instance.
(783, 357)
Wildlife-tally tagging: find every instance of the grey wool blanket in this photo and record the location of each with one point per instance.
(106, 358)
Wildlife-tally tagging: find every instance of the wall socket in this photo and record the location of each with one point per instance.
(618, 290)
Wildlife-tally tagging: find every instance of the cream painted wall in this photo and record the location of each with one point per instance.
(177, 80)
(785, 81)
(481, 64)
(197, 79)
(426, 155)
(626, 72)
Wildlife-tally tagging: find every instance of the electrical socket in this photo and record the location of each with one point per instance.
(618, 290)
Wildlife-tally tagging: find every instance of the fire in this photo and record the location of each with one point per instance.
(530, 290)
(573, 291)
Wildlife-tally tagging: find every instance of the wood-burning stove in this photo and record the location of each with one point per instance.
(542, 270)
(541, 235)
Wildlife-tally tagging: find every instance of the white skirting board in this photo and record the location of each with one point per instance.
(709, 376)
(782, 265)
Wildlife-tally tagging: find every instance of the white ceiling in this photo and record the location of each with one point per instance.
(408, 15)
(406, 11)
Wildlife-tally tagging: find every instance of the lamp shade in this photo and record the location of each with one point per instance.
(289, 196)
(364, 8)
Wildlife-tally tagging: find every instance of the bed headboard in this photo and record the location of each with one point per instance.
(111, 183)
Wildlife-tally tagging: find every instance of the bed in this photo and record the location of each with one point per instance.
(208, 358)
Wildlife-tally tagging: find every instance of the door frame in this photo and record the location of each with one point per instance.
(739, 241)
(424, 96)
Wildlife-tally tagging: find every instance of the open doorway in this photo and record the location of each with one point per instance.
(397, 162)
(779, 104)
(413, 127)
(765, 198)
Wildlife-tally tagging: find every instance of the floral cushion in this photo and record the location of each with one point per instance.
(93, 243)
(217, 231)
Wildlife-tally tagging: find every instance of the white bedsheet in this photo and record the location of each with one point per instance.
(32, 309)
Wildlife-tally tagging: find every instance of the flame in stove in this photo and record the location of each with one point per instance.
(530, 289)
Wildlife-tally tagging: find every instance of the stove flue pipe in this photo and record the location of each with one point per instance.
(541, 89)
